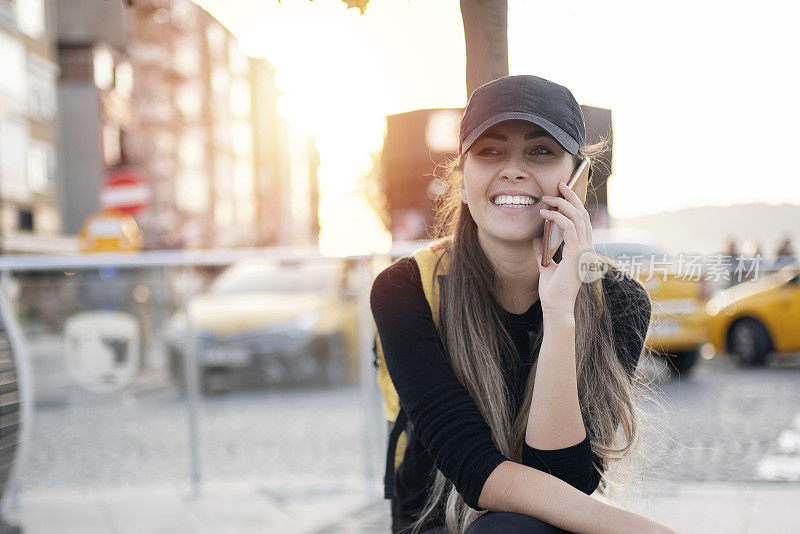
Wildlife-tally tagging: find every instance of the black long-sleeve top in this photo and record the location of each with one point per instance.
(446, 430)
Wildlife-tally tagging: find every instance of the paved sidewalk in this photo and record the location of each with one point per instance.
(709, 508)
(690, 508)
(241, 507)
(717, 507)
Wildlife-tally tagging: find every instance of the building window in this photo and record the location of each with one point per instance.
(187, 59)
(6, 11)
(75, 62)
(41, 89)
(103, 63)
(123, 76)
(220, 85)
(240, 97)
(184, 14)
(112, 150)
(223, 213)
(40, 166)
(25, 220)
(215, 36)
(242, 137)
(191, 192)
(192, 150)
(13, 79)
(188, 100)
(236, 60)
(31, 18)
(13, 159)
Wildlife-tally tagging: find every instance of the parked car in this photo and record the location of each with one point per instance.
(756, 317)
(110, 230)
(263, 321)
(678, 329)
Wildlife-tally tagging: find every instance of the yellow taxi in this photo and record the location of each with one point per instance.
(262, 321)
(110, 230)
(756, 317)
(678, 329)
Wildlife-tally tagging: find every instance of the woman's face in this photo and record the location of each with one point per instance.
(512, 159)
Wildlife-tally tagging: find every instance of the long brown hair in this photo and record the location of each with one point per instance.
(472, 329)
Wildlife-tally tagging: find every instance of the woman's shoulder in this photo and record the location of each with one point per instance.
(398, 284)
(402, 272)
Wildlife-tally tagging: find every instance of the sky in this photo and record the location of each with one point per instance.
(702, 93)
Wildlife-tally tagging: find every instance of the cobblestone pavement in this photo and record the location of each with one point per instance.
(719, 424)
(729, 424)
(97, 441)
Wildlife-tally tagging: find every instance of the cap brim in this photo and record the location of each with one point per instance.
(563, 138)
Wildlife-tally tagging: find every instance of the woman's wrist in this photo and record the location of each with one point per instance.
(558, 317)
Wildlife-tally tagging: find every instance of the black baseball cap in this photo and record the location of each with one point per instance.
(542, 102)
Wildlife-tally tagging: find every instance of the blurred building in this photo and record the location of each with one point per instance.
(286, 168)
(163, 87)
(30, 220)
(418, 143)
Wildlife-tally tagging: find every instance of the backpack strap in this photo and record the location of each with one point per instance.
(394, 436)
(426, 258)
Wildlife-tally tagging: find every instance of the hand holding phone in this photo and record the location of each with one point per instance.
(553, 236)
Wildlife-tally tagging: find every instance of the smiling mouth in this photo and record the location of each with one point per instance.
(513, 201)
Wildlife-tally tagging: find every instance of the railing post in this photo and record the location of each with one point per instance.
(370, 399)
(192, 384)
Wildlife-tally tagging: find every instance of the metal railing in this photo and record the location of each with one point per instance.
(187, 261)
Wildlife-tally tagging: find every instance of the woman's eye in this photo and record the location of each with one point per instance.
(541, 150)
(488, 151)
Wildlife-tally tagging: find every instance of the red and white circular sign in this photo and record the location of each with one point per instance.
(125, 190)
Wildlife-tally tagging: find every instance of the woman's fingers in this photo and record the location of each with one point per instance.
(566, 225)
(573, 199)
(570, 212)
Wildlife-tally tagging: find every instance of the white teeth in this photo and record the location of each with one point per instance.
(502, 200)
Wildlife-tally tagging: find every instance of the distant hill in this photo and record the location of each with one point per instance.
(706, 229)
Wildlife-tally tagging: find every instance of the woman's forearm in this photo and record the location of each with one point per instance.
(514, 487)
(555, 420)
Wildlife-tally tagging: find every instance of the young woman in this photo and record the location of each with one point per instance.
(486, 450)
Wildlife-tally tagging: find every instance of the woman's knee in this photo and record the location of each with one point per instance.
(511, 523)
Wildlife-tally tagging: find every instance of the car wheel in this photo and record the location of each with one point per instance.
(683, 361)
(748, 342)
(212, 379)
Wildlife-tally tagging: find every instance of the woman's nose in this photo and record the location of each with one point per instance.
(514, 170)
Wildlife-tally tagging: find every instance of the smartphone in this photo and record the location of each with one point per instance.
(553, 236)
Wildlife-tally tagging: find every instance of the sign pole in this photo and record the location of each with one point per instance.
(192, 389)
